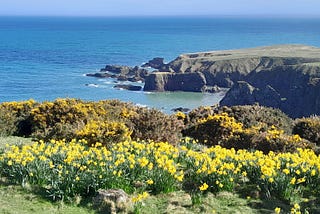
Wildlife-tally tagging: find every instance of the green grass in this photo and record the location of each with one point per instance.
(12, 140)
(16, 200)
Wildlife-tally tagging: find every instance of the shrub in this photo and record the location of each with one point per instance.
(276, 140)
(214, 129)
(104, 131)
(197, 114)
(154, 125)
(222, 129)
(59, 119)
(272, 139)
(255, 115)
(308, 128)
(14, 118)
(103, 121)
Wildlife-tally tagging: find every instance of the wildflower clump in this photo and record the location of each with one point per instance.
(67, 169)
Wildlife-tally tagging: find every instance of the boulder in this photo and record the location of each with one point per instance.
(99, 75)
(128, 87)
(155, 63)
(117, 69)
(181, 109)
(112, 201)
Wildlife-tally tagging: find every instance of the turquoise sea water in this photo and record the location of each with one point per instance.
(46, 57)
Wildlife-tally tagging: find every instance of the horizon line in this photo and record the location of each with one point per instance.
(306, 16)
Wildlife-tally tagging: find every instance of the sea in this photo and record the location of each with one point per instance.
(44, 58)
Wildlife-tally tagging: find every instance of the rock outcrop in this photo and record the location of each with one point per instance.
(293, 89)
(285, 77)
(122, 73)
(157, 63)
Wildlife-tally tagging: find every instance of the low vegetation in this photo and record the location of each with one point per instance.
(265, 161)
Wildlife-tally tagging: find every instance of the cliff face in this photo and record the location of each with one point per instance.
(161, 81)
(224, 68)
(285, 77)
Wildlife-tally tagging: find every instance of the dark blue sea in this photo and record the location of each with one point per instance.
(44, 58)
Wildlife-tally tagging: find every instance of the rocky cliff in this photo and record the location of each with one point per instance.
(284, 76)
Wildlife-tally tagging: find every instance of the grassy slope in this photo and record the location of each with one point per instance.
(15, 200)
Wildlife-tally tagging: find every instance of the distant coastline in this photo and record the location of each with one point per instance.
(46, 59)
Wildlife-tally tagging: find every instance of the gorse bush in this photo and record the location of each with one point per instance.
(255, 115)
(214, 129)
(109, 121)
(155, 125)
(112, 121)
(248, 115)
(308, 128)
(14, 118)
(104, 131)
(63, 118)
(222, 129)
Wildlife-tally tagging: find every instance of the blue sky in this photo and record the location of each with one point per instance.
(160, 7)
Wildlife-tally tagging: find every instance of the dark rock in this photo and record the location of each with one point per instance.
(180, 109)
(136, 79)
(284, 76)
(155, 63)
(122, 78)
(128, 87)
(118, 69)
(242, 93)
(91, 85)
(165, 81)
(122, 73)
(99, 75)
